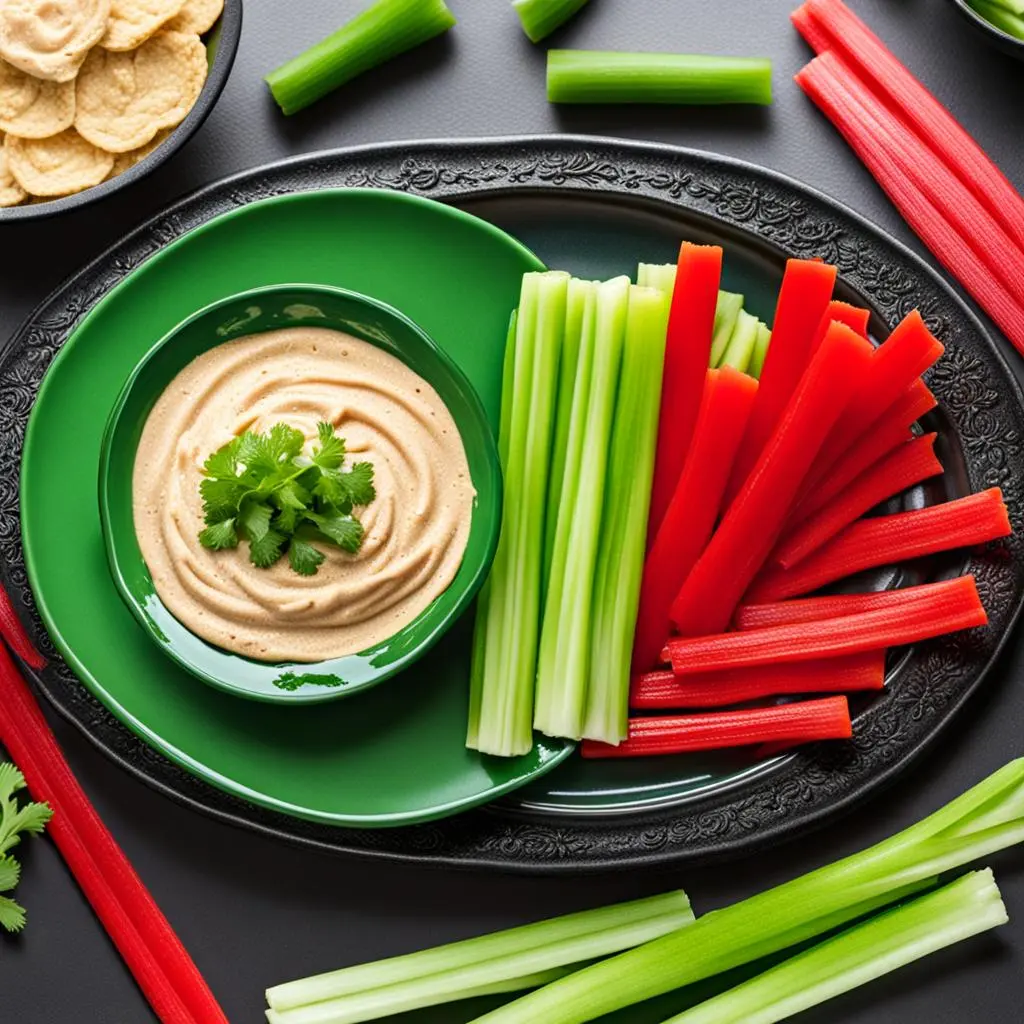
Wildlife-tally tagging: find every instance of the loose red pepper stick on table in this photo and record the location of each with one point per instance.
(835, 94)
(162, 967)
(957, 606)
(753, 522)
(13, 632)
(691, 326)
(663, 689)
(799, 722)
(891, 430)
(803, 300)
(903, 467)
(832, 606)
(693, 511)
(885, 540)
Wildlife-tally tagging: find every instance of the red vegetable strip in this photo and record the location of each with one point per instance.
(839, 104)
(691, 325)
(803, 300)
(832, 606)
(13, 632)
(854, 317)
(955, 608)
(664, 689)
(887, 539)
(752, 524)
(903, 467)
(149, 946)
(891, 430)
(829, 24)
(693, 511)
(802, 721)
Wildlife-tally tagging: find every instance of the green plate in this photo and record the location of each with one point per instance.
(394, 755)
(253, 312)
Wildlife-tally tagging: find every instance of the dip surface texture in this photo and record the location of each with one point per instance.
(416, 529)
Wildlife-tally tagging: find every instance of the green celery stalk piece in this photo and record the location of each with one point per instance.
(513, 604)
(558, 940)
(592, 76)
(657, 275)
(541, 17)
(727, 312)
(580, 294)
(868, 951)
(795, 911)
(764, 337)
(740, 350)
(617, 590)
(1013, 6)
(383, 31)
(479, 649)
(564, 659)
(1006, 20)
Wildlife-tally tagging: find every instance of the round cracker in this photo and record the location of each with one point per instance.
(11, 193)
(132, 22)
(50, 38)
(57, 166)
(197, 16)
(124, 99)
(32, 107)
(125, 161)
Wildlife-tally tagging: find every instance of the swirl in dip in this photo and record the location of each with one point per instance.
(416, 529)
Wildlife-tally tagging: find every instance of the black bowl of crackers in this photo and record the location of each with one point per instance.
(95, 94)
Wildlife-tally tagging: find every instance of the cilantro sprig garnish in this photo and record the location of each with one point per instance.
(16, 819)
(261, 488)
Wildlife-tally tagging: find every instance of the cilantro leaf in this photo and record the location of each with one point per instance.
(359, 481)
(263, 553)
(284, 442)
(220, 499)
(344, 529)
(10, 871)
(223, 463)
(255, 519)
(291, 495)
(220, 536)
(331, 451)
(304, 558)
(331, 490)
(12, 915)
(15, 820)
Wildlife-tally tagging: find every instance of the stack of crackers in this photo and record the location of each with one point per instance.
(88, 88)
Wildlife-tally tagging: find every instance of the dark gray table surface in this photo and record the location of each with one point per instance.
(253, 912)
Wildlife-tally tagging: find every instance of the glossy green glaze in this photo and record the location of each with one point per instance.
(254, 312)
(394, 755)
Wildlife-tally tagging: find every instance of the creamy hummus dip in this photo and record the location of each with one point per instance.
(416, 529)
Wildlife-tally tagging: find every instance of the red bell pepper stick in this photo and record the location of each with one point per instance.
(154, 954)
(693, 511)
(891, 430)
(936, 222)
(831, 25)
(803, 300)
(954, 608)
(13, 632)
(903, 467)
(885, 540)
(752, 524)
(832, 606)
(691, 326)
(799, 722)
(854, 317)
(663, 690)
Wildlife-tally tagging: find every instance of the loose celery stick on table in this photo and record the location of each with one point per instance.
(383, 31)
(595, 76)
(541, 17)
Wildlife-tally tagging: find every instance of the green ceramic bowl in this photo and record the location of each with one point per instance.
(254, 312)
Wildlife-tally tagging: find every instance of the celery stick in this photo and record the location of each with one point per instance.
(774, 920)
(740, 349)
(868, 951)
(561, 940)
(513, 603)
(579, 295)
(764, 336)
(591, 76)
(541, 17)
(1013, 6)
(727, 312)
(563, 665)
(657, 275)
(383, 31)
(1007, 21)
(617, 591)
